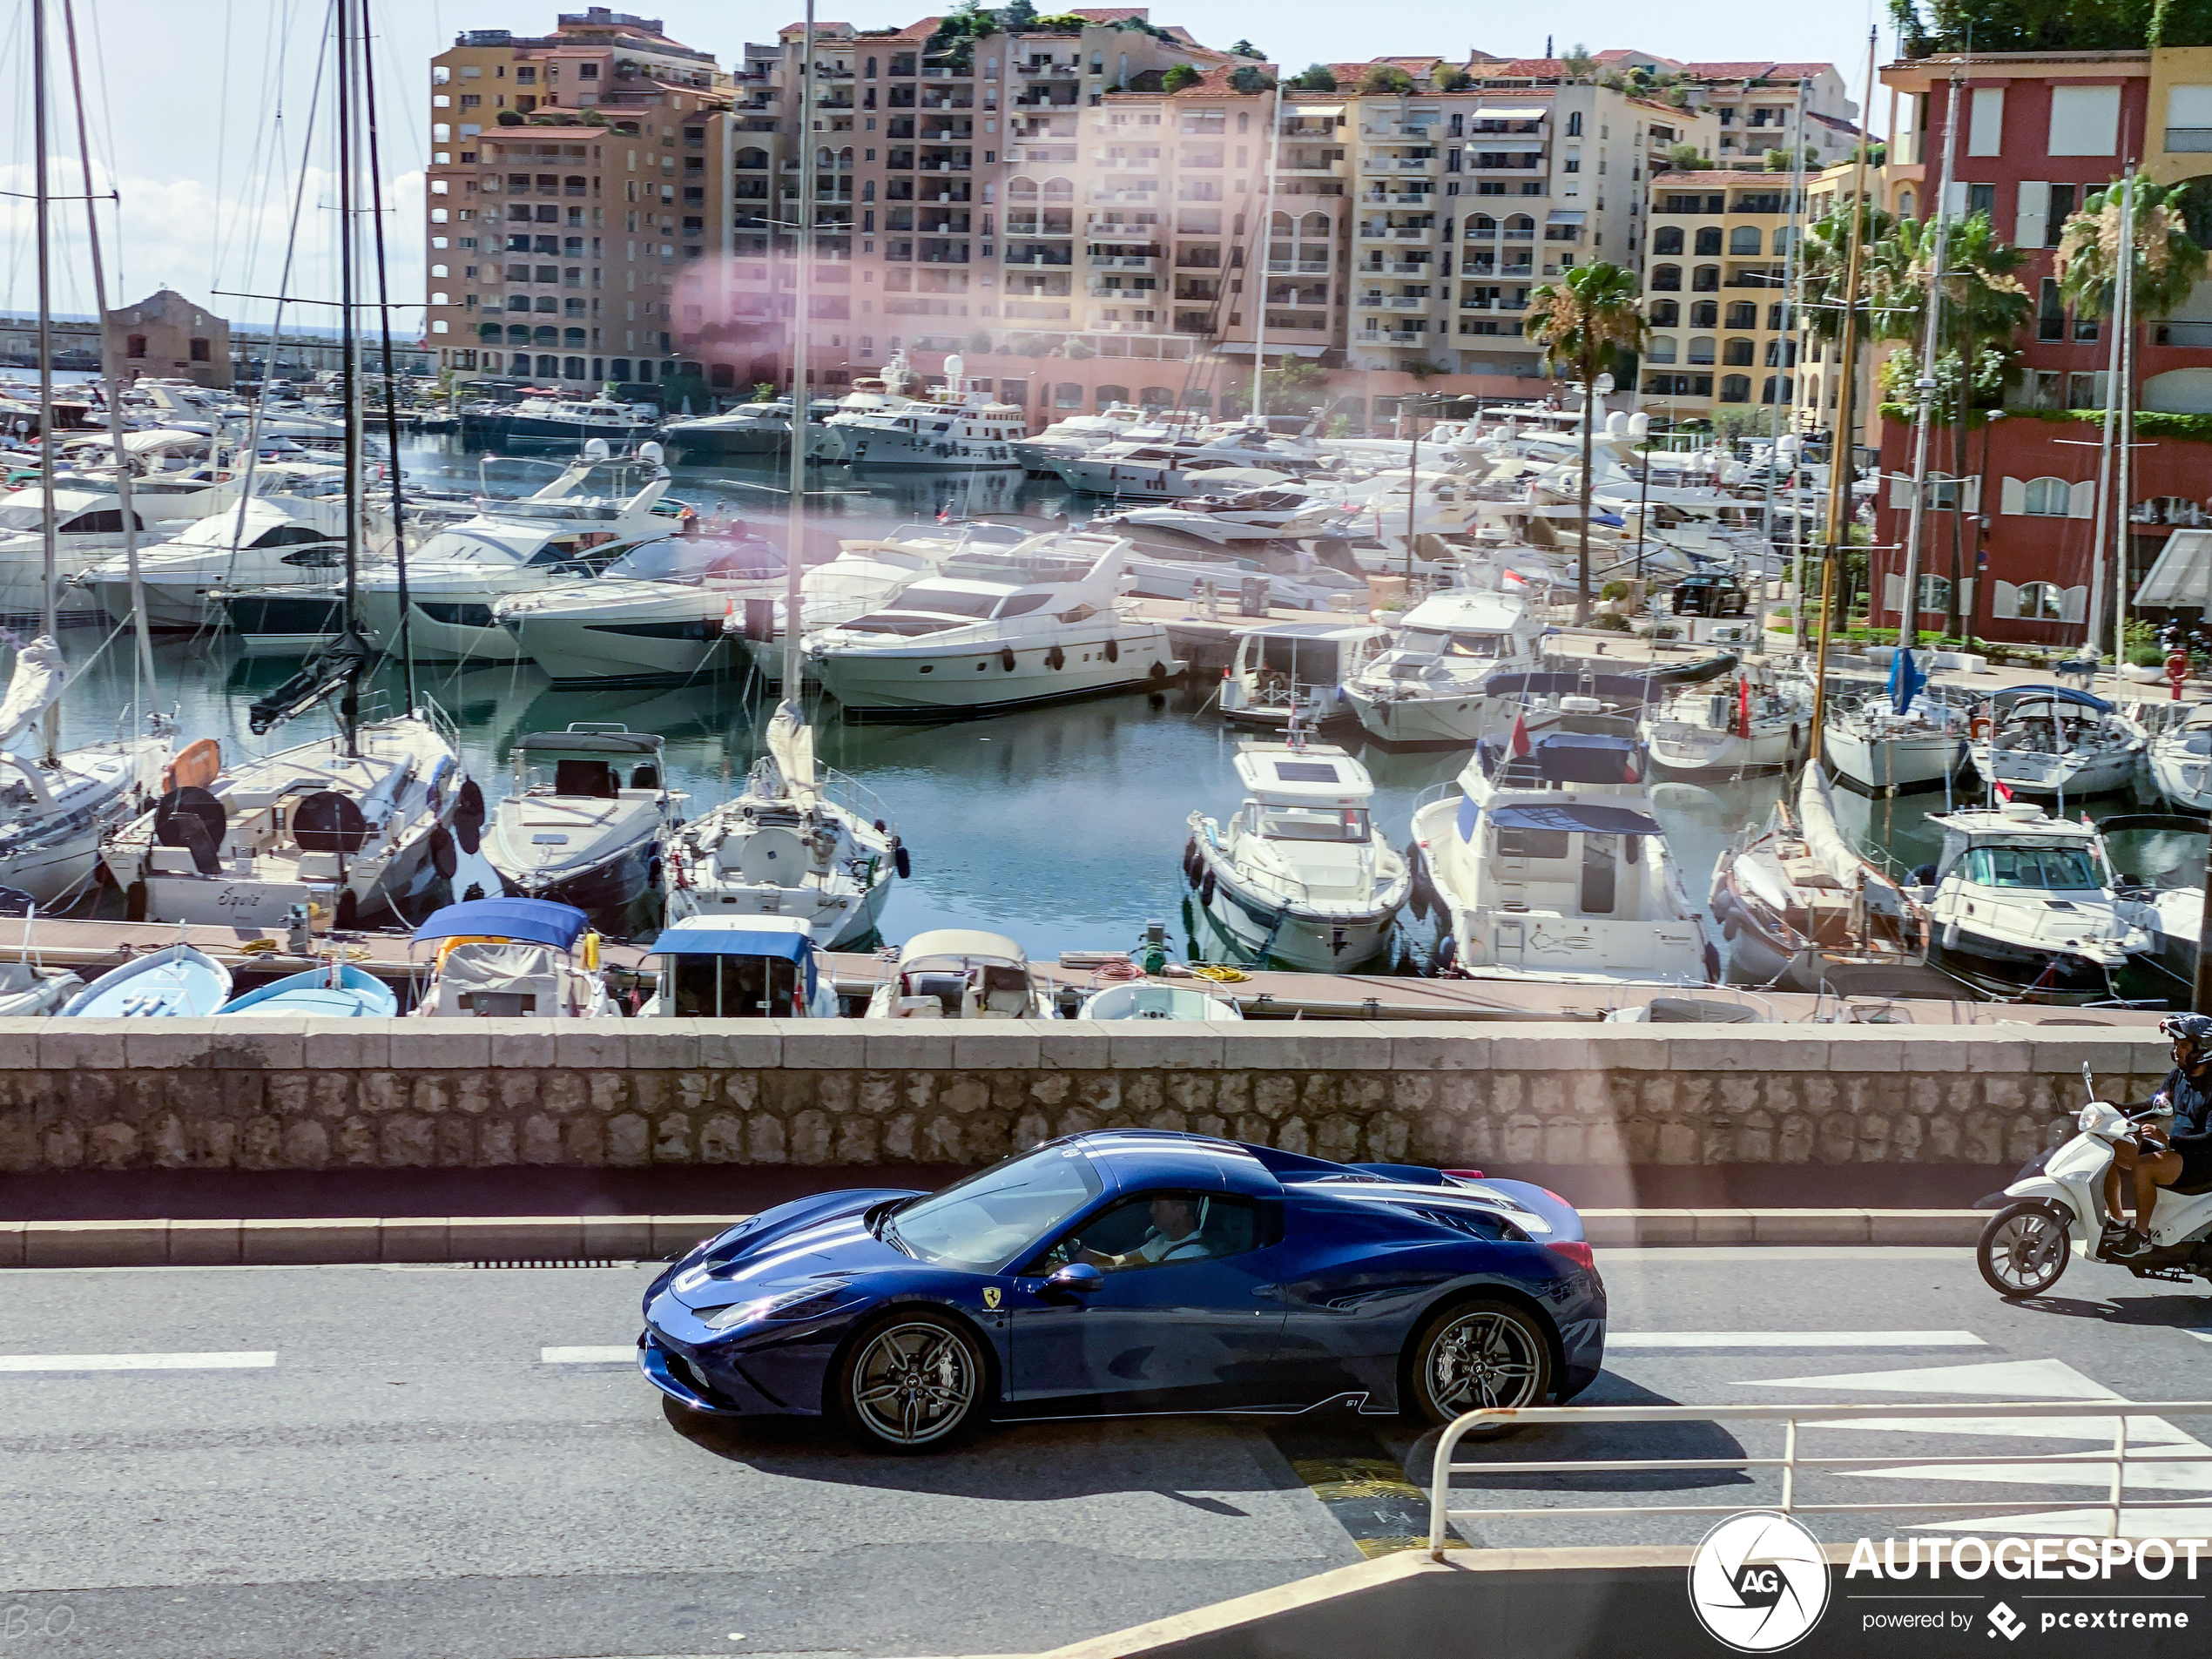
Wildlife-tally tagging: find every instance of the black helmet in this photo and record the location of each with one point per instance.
(2193, 1029)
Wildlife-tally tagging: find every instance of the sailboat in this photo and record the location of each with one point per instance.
(342, 828)
(787, 847)
(1910, 742)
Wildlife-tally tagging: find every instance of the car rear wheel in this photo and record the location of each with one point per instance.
(914, 1383)
(1479, 1355)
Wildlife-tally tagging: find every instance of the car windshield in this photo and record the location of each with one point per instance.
(991, 1216)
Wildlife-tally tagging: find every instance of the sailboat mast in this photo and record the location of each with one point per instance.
(51, 723)
(1908, 620)
(349, 361)
(2121, 396)
(404, 643)
(802, 305)
(2107, 443)
(1267, 259)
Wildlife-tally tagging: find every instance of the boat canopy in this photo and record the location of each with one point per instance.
(574, 742)
(1570, 757)
(1531, 815)
(535, 921)
(2003, 702)
(961, 942)
(1607, 688)
(782, 937)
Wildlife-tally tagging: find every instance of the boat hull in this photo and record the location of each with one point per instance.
(889, 685)
(1290, 935)
(1436, 722)
(2185, 779)
(2046, 777)
(633, 650)
(1900, 764)
(2001, 969)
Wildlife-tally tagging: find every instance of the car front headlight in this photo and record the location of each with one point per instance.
(789, 1304)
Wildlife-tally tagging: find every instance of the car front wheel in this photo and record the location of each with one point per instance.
(1476, 1356)
(914, 1383)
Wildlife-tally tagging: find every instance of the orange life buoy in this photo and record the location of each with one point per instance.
(1977, 728)
(196, 765)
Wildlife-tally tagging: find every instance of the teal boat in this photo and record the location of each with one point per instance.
(176, 981)
(338, 992)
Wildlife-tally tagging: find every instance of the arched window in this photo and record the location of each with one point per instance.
(1743, 313)
(1059, 190)
(1743, 238)
(518, 334)
(572, 368)
(1708, 239)
(1482, 225)
(1706, 279)
(2041, 601)
(1521, 227)
(1781, 240)
(2048, 497)
(1666, 313)
(1736, 388)
(1067, 395)
(1108, 396)
(548, 368)
(546, 302)
(1020, 189)
(572, 337)
(1280, 224)
(1156, 397)
(1776, 388)
(488, 331)
(1774, 316)
(1704, 314)
(1667, 240)
(1737, 354)
(751, 159)
(1701, 349)
(1315, 227)
(1662, 348)
(1666, 279)
(1935, 593)
(545, 336)
(618, 369)
(1904, 205)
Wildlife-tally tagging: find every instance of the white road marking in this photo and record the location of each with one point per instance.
(1793, 1339)
(2202, 1336)
(240, 1361)
(2084, 1523)
(1999, 1379)
(626, 1354)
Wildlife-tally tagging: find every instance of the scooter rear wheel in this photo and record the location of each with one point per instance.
(2023, 1250)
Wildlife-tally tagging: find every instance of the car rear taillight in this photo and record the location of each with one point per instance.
(1464, 1175)
(1576, 1251)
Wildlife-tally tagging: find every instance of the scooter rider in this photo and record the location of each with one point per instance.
(2181, 1155)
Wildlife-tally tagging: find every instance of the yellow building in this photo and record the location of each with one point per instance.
(1715, 286)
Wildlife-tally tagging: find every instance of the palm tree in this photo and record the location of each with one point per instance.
(1825, 258)
(2167, 263)
(1586, 322)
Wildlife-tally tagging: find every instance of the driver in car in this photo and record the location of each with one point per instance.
(1174, 1237)
(2179, 1155)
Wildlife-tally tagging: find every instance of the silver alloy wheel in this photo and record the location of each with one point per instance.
(912, 1383)
(2023, 1250)
(1482, 1359)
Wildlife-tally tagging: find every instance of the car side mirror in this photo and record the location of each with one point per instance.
(1077, 1278)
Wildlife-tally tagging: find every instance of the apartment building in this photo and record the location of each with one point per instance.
(568, 185)
(1716, 279)
(2038, 133)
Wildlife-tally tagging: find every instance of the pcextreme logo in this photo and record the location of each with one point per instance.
(1759, 1583)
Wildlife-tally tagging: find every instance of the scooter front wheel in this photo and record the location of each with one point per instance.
(2023, 1250)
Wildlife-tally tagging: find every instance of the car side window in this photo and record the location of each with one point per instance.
(1157, 1230)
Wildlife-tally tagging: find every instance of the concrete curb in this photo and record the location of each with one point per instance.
(370, 1240)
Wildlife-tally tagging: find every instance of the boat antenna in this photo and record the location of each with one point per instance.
(51, 720)
(802, 302)
(1908, 621)
(111, 383)
(405, 642)
(1839, 446)
(349, 360)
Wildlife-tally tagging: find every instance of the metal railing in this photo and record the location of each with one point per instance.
(1441, 1515)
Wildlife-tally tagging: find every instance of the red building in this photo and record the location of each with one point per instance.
(2038, 133)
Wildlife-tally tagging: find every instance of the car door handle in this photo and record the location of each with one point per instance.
(1265, 1292)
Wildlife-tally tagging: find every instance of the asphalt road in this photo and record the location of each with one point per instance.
(383, 1461)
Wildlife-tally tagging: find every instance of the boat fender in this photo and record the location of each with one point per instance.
(1796, 738)
(1951, 934)
(468, 816)
(1005, 657)
(1712, 963)
(1159, 671)
(134, 903)
(1113, 650)
(1205, 889)
(1193, 862)
(1055, 658)
(901, 860)
(443, 858)
(1447, 952)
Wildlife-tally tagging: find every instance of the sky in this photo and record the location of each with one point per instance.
(199, 111)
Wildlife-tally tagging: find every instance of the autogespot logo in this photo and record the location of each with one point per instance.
(1759, 1583)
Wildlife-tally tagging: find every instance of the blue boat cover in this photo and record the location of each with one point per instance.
(530, 922)
(1598, 820)
(1571, 757)
(759, 936)
(2004, 699)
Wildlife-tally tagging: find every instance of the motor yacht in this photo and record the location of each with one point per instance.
(1759, 725)
(798, 842)
(1174, 470)
(2054, 741)
(739, 967)
(1301, 875)
(1232, 519)
(1283, 669)
(53, 814)
(758, 428)
(2022, 907)
(1078, 435)
(1547, 864)
(960, 974)
(557, 419)
(956, 427)
(944, 646)
(657, 614)
(269, 541)
(585, 821)
(512, 959)
(88, 528)
(1428, 687)
(342, 833)
(2181, 761)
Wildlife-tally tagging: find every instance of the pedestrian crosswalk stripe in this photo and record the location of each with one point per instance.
(626, 1354)
(1997, 1379)
(240, 1361)
(1648, 1339)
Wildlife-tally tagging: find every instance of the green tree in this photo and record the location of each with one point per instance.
(1016, 14)
(1824, 259)
(1385, 78)
(1783, 158)
(2168, 262)
(1685, 158)
(1584, 322)
(1450, 77)
(1315, 77)
(1177, 78)
(1578, 62)
(1245, 49)
(1929, 26)
(1247, 77)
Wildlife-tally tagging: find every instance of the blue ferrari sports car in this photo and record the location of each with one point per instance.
(1127, 1271)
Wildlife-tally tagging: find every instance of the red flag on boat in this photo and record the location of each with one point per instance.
(1743, 708)
(1520, 744)
(1997, 788)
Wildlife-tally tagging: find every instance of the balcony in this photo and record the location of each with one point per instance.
(1302, 267)
(1410, 267)
(1493, 162)
(1041, 256)
(1123, 262)
(1494, 305)
(1409, 302)
(1398, 164)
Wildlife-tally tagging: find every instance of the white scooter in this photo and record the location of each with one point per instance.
(2058, 1201)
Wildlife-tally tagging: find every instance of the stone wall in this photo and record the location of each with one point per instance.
(230, 1094)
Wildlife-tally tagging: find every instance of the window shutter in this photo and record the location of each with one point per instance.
(1955, 200)
(2082, 501)
(1900, 491)
(2012, 496)
(2074, 604)
(1970, 494)
(2007, 597)
(2034, 211)
(1985, 122)
(1892, 593)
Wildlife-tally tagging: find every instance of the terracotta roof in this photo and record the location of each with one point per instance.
(1519, 69)
(1111, 14)
(1761, 71)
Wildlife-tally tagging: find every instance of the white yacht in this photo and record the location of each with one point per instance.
(1872, 747)
(945, 647)
(585, 821)
(2053, 740)
(1078, 435)
(1301, 875)
(557, 420)
(759, 428)
(558, 533)
(342, 834)
(1242, 515)
(739, 967)
(656, 614)
(53, 815)
(1151, 999)
(511, 959)
(1428, 687)
(1719, 730)
(2022, 905)
(1175, 469)
(956, 427)
(1283, 669)
(270, 541)
(798, 843)
(88, 528)
(1547, 864)
(2181, 761)
(960, 974)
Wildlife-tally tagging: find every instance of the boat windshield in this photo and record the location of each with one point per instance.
(991, 1216)
(695, 558)
(1313, 823)
(945, 602)
(1486, 646)
(2058, 869)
